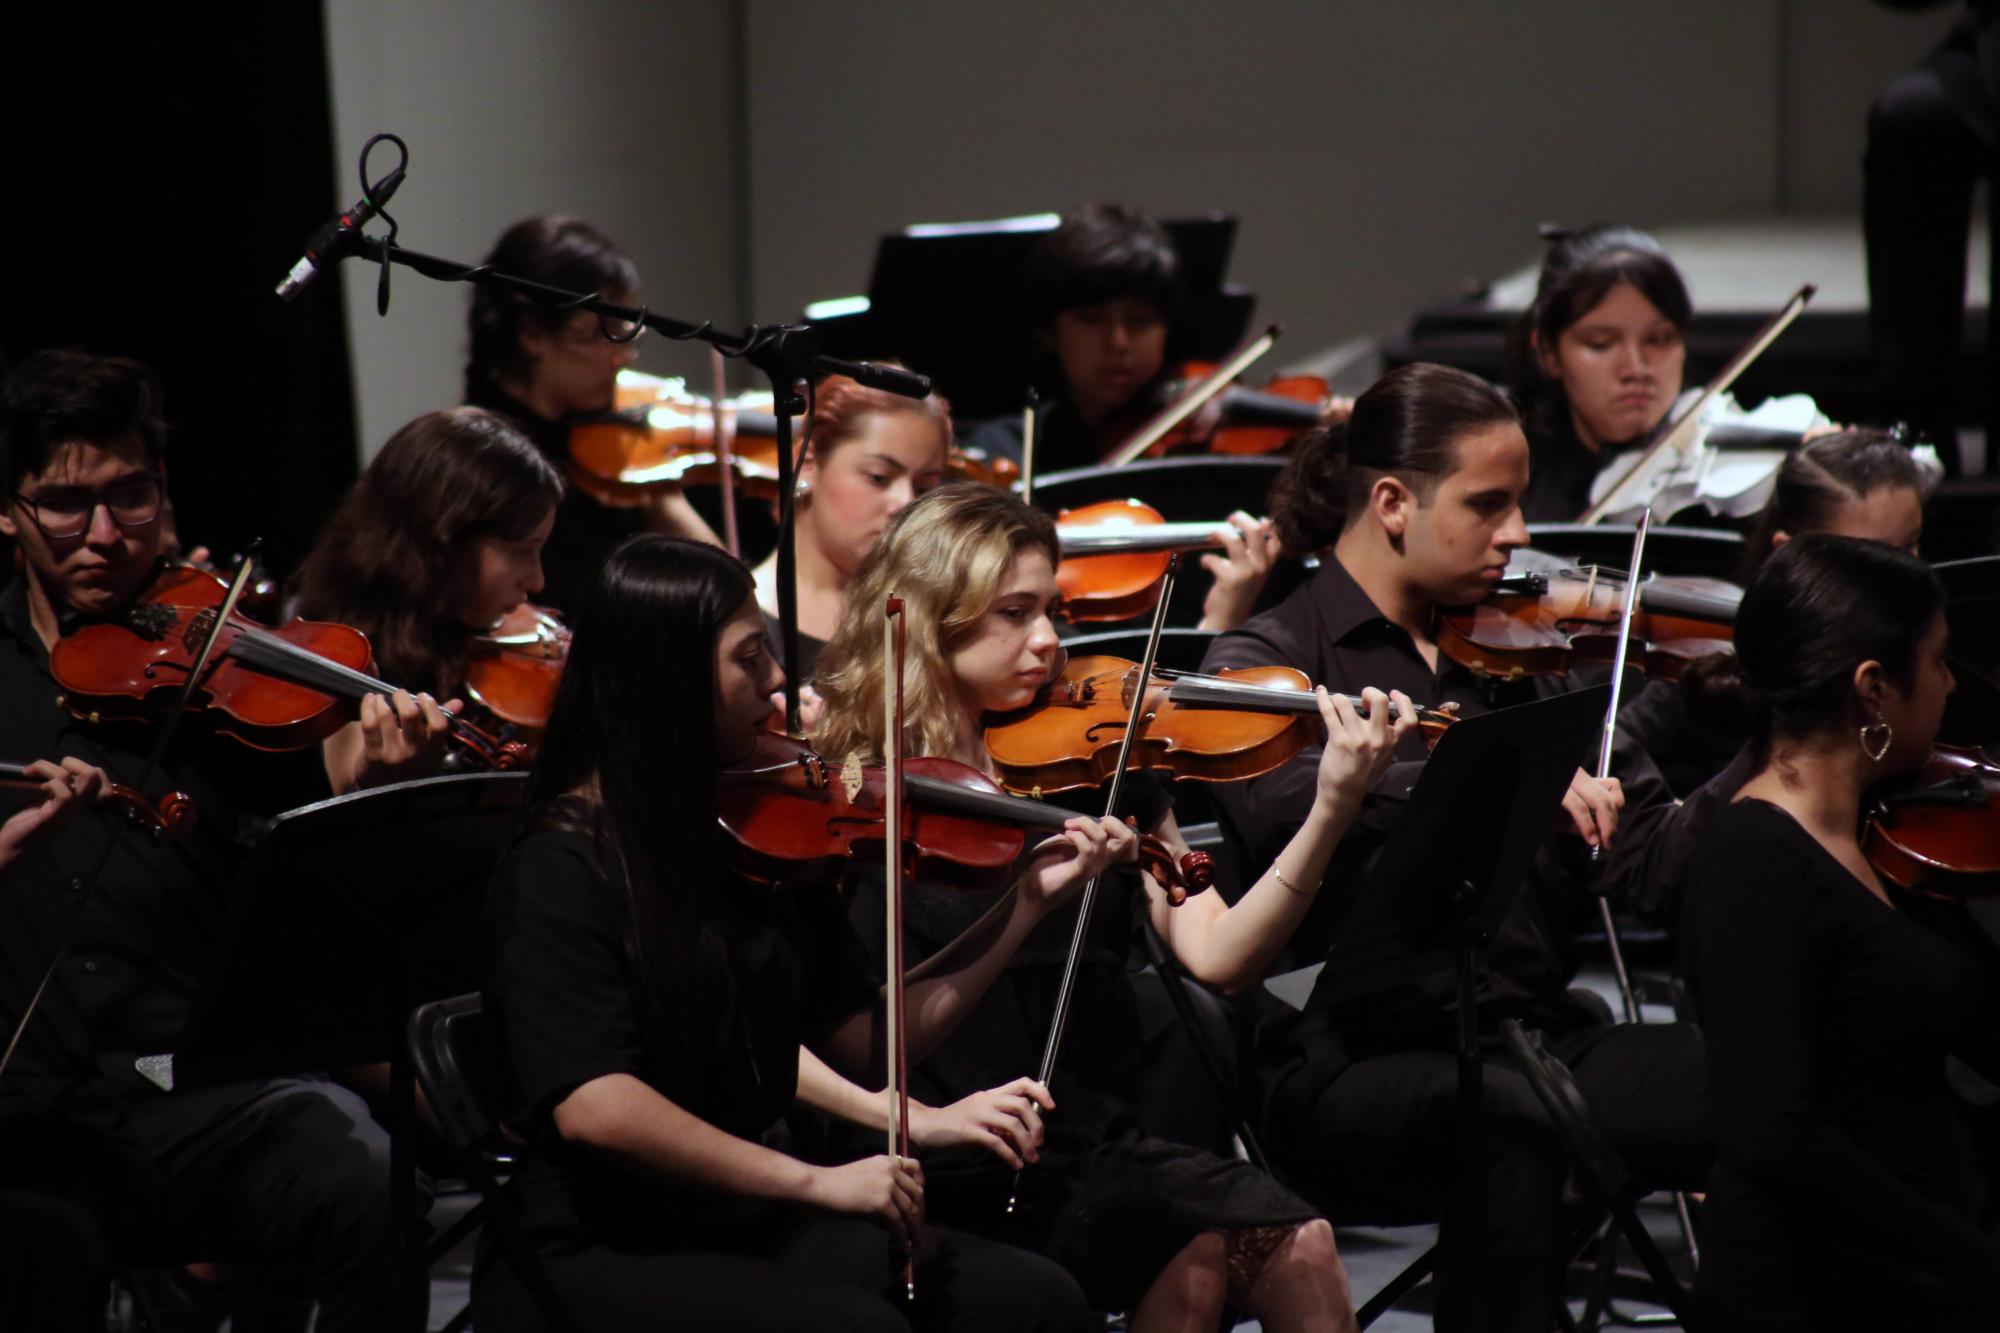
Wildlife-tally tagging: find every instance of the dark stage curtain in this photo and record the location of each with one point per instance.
(163, 166)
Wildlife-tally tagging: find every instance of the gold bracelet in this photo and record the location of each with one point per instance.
(1279, 875)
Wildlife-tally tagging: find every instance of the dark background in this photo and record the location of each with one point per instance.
(162, 173)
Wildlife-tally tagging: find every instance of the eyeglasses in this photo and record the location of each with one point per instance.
(620, 331)
(64, 512)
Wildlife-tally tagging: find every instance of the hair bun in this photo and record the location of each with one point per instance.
(1555, 233)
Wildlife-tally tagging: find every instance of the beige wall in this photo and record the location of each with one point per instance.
(1378, 153)
(619, 110)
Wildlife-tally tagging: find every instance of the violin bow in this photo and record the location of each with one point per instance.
(1191, 402)
(1029, 419)
(723, 425)
(87, 885)
(1610, 737)
(1680, 431)
(1066, 991)
(1626, 995)
(898, 1083)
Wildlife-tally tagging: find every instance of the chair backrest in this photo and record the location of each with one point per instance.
(1192, 488)
(1712, 552)
(1180, 649)
(456, 1067)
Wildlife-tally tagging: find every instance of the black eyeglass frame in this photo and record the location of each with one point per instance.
(97, 497)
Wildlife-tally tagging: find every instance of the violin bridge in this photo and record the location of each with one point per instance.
(850, 777)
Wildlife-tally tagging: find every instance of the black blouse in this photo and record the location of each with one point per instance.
(1829, 1014)
(779, 969)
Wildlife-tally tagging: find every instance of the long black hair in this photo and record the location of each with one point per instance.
(1820, 607)
(1580, 269)
(634, 719)
(1407, 425)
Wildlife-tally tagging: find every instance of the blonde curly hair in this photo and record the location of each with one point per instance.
(946, 555)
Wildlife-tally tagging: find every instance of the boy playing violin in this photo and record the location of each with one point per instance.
(1104, 289)
(1415, 504)
(289, 1168)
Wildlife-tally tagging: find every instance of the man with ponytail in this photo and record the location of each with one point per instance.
(1413, 505)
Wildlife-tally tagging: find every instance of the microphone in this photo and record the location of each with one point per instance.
(338, 239)
(890, 379)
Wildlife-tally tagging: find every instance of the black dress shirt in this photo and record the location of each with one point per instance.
(143, 948)
(1336, 635)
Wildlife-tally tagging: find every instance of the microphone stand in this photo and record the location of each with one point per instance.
(788, 354)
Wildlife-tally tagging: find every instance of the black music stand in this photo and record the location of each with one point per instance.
(1483, 806)
(951, 301)
(350, 913)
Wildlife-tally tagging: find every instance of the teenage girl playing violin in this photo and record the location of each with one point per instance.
(1415, 505)
(1596, 362)
(870, 453)
(82, 482)
(1164, 1231)
(1851, 483)
(659, 1015)
(541, 368)
(1840, 1198)
(1105, 290)
(439, 538)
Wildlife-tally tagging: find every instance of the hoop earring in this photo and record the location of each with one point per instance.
(1875, 748)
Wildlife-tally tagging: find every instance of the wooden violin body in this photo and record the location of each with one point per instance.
(272, 688)
(795, 819)
(1556, 621)
(133, 668)
(1937, 831)
(512, 670)
(1069, 739)
(658, 434)
(1237, 724)
(1267, 419)
(1115, 586)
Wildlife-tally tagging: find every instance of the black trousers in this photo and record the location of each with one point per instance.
(1930, 140)
(1374, 1143)
(288, 1177)
(823, 1272)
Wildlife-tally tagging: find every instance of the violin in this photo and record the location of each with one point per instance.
(659, 434)
(163, 821)
(795, 820)
(1237, 724)
(1262, 420)
(513, 669)
(281, 688)
(1545, 621)
(1937, 831)
(1679, 468)
(1115, 554)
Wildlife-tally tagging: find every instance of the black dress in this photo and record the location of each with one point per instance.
(1109, 1202)
(628, 1250)
(1840, 1197)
